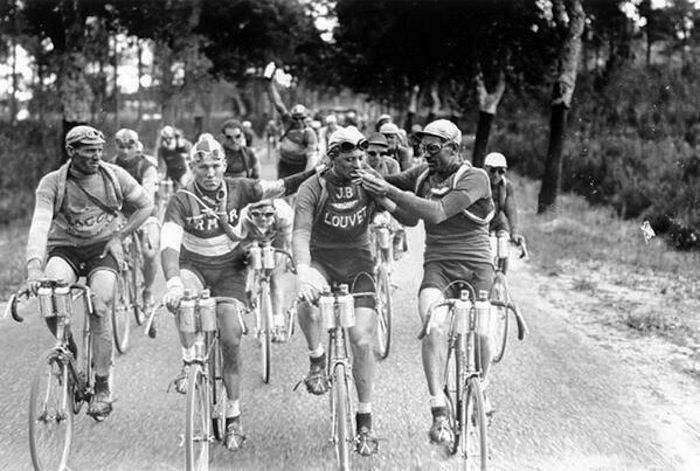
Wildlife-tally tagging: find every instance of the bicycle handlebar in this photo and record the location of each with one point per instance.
(290, 258)
(11, 308)
(425, 330)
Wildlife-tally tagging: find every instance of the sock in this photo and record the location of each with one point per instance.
(364, 408)
(188, 354)
(438, 401)
(231, 420)
(363, 420)
(233, 408)
(317, 352)
(278, 320)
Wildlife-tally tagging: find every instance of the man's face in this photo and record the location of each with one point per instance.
(346, 164)
(86, 158)
(209, 173)
(233, 138)
(495, 174)
(374, 153)
(437, 153)
(168, 142)
(263, 217)
(298, 121)
(393, 140)
(127, 150)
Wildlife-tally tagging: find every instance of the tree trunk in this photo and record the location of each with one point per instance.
(117, 121)
(562, 93)
(139, 98)
(488, 103)
(13, 95)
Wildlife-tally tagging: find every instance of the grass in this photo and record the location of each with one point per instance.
(13, 241)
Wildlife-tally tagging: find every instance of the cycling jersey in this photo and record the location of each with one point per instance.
(241, 163)
(175, 162)
(458, 237)
(296, 144)
(138, 167)
(279, 229)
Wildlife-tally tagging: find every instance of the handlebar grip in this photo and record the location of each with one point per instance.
(13, 309)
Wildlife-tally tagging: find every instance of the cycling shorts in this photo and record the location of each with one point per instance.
(352, 266)
(86, 260)
(440, 273)
(226, 280)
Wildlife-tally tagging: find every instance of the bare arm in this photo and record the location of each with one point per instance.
(276, 98)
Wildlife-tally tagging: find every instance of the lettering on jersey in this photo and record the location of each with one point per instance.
(208, 222)
(345, 221)
(344, 193)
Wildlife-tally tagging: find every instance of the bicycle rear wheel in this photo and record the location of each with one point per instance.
(454, 388)
(341, 419)
(218, 393)
(197, 421)
(264, 333)
(51, 413)
(121, 315)
(136, 282)
(499, 317)
(384, 310)
(474, 440)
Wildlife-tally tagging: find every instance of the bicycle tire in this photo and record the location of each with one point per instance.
(197, 421)
(43, 399)
(342, 422)
(137, 283)
(265, 334)
(290, 321)
(474, 444)
(499, 317)
(384, 311)
(218, 393)
(454, 387)
(121, 317)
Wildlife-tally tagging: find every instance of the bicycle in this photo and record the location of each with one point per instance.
(61, 384)
(337, 313)
(205, 413)
(382, 242)
(262, 260)
(501, 299)
(463, 386)
(128, 293)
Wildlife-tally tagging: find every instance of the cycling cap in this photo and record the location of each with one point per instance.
(206, 147)
(495, 159)
(125, 135)
(262, 203)
(331, 119)
(167, 131)
(378, 139)
(389, 128)
(247, 124)
(299, 111)
(444, 129)
(85, 135)
(347, 134)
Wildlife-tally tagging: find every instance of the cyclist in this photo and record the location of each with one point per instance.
(505, 221)
(454, 200)
(331, 244)
(77, 220)
(247, 128)
(397, 150)
(270, 220)
(171, 151)
(131, 158)
(241, 160)
(298, 143)
(200, 247)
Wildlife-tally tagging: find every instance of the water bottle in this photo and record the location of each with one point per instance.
(44, 293)
(383, 236)
(186, 313)
(461, 312)
(268, 257)
(62, 301)
(346, 306)
(483, 310)
(326, 308)
(503, 246)
(255, 257)
(207, 311)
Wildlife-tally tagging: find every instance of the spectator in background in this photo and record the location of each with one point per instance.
(325, 132)
(398, 152)
(249, 133)
(241, 160)
(382, 120)
(171, 151)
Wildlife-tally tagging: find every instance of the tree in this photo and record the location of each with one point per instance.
(570, 18)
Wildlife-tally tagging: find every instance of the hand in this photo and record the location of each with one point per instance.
(34, 275)
(374, 184)
(310, 283)
(114, 247)
(517, 239)
(174, 294)
(385, 203)
(269, 70)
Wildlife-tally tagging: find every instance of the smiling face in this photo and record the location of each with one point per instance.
(86, 158)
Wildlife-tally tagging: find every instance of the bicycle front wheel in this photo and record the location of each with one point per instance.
(499, 317)
(454, 387)
(197, 422)
(121, 315)
(384, 309)
(265, 326)
(51, 414)
(474, 436)
(218, 393)
(136, 283)
(341, 418)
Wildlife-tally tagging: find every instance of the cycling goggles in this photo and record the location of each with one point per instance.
(346, 146)
(259, 214)
(374, 153)
(200, 155)
(85, 135)
(431, 149)
(498, 170)
(233, 137)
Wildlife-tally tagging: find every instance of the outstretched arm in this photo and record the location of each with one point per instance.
(276, 98)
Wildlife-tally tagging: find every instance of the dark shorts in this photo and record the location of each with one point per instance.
(351, 266)
(439, 274)
(227, 280)
(85, 260)
(285, 169)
